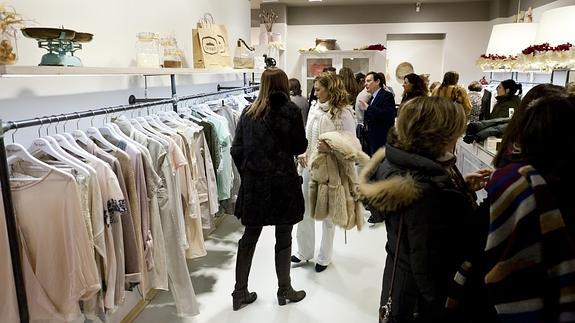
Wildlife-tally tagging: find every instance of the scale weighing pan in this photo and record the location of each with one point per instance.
(48, 33)
(83, 37)
(60, 43)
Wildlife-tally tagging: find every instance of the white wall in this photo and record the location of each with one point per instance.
(426, 56)
(114, 25)
(464, 42)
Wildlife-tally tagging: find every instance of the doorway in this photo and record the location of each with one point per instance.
(425, 52)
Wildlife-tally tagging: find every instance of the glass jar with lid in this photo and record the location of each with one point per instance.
(148, 50)
(172, 57)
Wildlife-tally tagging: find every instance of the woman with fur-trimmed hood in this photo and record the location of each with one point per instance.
(417, 182)
(329, 175)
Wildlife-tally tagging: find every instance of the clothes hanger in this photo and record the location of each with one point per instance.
(143, 121)
(94, 134)
(16, 152)
(48, 145)
(78, 134)
(155, 121)
(63, 142)
(110, 132)
(68, 136)
(142, 125)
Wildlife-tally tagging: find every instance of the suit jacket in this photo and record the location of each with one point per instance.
(379, 118)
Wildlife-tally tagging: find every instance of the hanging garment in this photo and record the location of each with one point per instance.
(132, 270)
(158, 274)
(58, 276)
(172, 234)
(8, 300)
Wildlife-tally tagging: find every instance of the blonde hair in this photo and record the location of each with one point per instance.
(426, 125)
(337, 95)
(272, 80)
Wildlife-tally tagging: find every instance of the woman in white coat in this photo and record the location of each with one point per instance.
(331, 112)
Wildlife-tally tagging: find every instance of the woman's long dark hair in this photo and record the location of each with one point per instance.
(514, 128)
(272, 80)
(547, 141)
(418, 87)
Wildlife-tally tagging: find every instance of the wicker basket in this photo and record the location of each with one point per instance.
(325, 44)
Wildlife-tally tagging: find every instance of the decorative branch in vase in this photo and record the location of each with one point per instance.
(268, 18)
(10, 22)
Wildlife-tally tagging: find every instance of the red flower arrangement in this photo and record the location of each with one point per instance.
(545, 47)
(379, 47)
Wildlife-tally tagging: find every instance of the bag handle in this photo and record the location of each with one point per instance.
(387, 306)
(209, 17)
(204, 23)
(241, 41)
(207, 21)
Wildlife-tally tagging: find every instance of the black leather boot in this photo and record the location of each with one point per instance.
(246, 248)
(289, 294)
(242, 298)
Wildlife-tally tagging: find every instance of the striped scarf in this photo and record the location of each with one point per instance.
(529, 252)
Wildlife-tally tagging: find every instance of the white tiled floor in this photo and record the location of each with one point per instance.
(348, 291)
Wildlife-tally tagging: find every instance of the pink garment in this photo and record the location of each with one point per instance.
(57, 258)
(8, 303)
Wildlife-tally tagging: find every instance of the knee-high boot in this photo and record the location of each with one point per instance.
(246, 248)
(283, 266)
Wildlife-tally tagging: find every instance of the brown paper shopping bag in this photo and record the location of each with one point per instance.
(210, 44)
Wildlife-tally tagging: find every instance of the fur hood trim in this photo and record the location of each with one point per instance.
(390, 194)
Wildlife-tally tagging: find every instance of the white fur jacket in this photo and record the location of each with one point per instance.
(333, 181)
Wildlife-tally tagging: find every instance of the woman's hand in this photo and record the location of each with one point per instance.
(302, 160)
(363, 105)
(322, 147)
(478, 179)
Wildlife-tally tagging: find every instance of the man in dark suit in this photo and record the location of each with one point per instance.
(379, 118)
(380, 113)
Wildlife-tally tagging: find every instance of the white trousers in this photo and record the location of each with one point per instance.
(305, 235)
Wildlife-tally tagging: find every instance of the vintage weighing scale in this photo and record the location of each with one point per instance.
(60, 43)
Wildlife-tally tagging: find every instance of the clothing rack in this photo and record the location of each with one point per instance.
(5, 180)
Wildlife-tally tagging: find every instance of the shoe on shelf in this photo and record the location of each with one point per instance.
(291, 295)
(319, 268)
(242, 298)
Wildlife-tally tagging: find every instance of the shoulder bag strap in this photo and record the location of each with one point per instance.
(387, 307)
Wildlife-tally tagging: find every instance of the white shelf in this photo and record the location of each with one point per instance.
(345, 52)
(198, 75)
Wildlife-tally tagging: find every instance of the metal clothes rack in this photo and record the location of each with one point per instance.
(5, 180)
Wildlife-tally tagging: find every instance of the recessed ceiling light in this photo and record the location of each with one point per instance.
(315, 0)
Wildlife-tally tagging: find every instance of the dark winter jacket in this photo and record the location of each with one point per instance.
(480, 130)
(504, 103)
(263, 151)
(436, 237)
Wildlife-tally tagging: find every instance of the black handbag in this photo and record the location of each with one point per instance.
(361, 134)
(385, 310)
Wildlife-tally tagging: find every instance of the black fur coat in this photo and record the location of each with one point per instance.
(263, 151)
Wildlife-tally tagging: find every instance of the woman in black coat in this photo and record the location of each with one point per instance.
(268, 136)
(420, 192)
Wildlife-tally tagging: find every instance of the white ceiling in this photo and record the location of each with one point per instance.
(255, 4)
